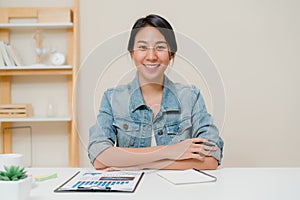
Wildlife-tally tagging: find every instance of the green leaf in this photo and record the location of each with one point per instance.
(6, 168)
(4, 178)
(22, 177)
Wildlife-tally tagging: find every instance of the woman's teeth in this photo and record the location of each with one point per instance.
(152, 66)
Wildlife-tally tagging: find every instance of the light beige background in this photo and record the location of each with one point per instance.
(255, 45)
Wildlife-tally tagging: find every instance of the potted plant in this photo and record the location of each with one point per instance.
(14, 183)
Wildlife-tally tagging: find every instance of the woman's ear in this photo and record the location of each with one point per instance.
(171, 56)
(131, 57)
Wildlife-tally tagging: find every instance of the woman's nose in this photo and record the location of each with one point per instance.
(151, 54)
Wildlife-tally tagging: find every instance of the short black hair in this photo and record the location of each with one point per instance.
(158, 22)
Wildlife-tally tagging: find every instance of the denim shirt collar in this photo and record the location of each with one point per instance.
(169, 101)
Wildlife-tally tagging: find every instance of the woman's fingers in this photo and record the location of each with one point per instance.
(197, 148)
(202, 147)
(197, 156)
(199, 140)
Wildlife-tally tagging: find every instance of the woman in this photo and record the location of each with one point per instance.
(152, 122)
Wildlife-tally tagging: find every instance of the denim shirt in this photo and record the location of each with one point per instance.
(124, 120)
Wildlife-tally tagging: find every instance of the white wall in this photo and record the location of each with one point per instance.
(255, 45)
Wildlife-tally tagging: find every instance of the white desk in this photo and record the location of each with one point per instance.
(232, 183)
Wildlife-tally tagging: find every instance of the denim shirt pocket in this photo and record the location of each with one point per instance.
(178, 131)
(127, 132)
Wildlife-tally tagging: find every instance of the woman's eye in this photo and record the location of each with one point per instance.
(161, 47)
(142, 48)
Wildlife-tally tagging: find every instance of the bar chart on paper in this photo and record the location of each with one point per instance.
(98, 183)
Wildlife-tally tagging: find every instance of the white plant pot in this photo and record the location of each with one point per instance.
(16, 190)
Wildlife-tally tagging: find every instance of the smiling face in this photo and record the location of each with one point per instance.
(151, 55)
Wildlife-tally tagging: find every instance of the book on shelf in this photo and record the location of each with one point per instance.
(1, 57)
(9, 55)
(14, 55)
(6, 59)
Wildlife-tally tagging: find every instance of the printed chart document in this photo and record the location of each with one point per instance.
(186, 176)
(102, 181)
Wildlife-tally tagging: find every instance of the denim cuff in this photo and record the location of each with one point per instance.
(217, 155)
(97, 148)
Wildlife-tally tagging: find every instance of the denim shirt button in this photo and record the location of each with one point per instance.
(160, 132)
(125, 126)
(179, 129)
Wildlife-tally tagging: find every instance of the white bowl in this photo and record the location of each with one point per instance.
(10, 159)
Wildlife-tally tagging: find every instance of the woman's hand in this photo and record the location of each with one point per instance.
(195, 148)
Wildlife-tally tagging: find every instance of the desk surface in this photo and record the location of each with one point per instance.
(232, 183)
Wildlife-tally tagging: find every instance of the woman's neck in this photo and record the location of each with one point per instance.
(152, 95)
(151, 87)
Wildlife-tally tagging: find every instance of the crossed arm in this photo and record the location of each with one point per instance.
(184, 155)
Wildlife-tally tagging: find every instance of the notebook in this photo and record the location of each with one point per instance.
(190, 176)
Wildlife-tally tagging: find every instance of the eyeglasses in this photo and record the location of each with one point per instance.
(160, 47)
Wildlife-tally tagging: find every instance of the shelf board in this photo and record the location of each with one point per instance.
(37, 119)
(36, 25)
(35, 67)
(36, 70)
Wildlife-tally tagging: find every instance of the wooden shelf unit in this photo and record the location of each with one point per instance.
(47, 18)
